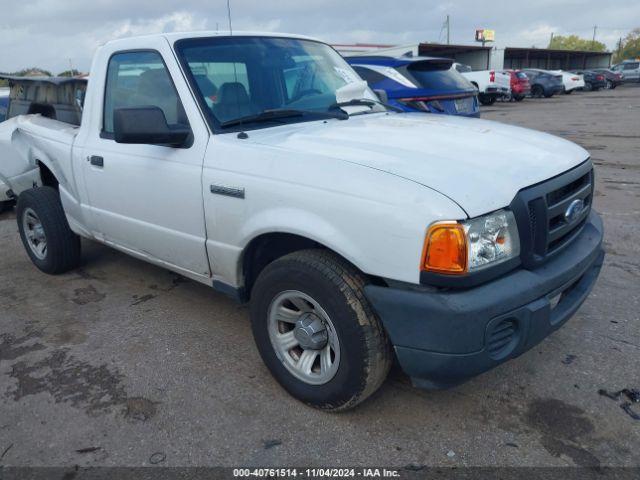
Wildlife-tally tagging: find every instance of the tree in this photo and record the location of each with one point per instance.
(629, 47)
(574, 42)
(70, 73)
(33, 72)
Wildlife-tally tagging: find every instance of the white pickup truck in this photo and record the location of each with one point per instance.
(262, 165)
(491, 84)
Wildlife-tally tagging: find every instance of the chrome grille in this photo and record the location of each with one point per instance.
(547, 219)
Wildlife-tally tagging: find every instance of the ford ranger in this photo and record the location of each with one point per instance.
(263, 166)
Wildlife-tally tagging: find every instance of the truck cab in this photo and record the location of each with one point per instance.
(263, 166)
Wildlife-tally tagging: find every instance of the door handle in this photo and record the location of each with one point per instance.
(96, 161)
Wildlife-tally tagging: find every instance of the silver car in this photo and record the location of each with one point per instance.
(630, 70)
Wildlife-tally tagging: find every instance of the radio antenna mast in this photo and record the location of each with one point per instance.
(229, 16)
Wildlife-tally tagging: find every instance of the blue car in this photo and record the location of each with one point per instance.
(422, 84)
(4, 104)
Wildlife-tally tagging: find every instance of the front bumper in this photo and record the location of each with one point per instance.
(443, 338)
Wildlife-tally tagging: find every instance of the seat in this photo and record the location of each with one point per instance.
(155, 89)
(233, 102)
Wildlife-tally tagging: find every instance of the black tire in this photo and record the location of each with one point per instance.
(486, 100)
(609, 85)
(62, 245)
(588, 87)
(537, 91)
(567, 92)
(518, 98)
(365, 351)
(4, 206)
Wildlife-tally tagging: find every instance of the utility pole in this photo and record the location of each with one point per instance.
(551, 41)
(448, 31)
(593, 42)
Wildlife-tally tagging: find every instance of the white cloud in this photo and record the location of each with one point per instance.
(47, 33)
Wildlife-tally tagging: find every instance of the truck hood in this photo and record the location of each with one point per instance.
(479, 164)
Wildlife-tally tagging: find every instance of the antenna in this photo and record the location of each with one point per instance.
(229, 16)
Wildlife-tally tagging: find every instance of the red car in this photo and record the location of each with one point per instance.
(520, 86)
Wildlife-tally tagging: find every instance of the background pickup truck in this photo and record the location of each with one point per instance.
(491, 85)
(263, 166)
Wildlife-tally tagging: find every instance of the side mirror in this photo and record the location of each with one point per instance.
(382, 95)
(147, 125)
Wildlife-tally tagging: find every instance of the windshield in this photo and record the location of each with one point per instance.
(240, 78)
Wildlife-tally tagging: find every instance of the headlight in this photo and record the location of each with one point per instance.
(457, 248)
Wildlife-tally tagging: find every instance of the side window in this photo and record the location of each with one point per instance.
(140, 79)
(631, 66)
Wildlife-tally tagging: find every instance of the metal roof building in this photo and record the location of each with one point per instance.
(483, 58)
(549, 59)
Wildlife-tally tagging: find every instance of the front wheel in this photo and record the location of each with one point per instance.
(45, 232)
(537, 91)
(316, 331)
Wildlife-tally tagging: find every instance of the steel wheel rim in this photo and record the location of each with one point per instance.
(34, 233)
(287, 312)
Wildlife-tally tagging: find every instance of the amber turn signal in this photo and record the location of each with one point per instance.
(445, 249)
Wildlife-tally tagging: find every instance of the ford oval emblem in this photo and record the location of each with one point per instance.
(574, 210)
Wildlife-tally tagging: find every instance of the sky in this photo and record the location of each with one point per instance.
(54, 34)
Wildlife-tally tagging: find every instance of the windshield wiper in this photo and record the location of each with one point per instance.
(364, 102)
(276, 114)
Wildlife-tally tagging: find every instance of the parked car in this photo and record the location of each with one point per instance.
(419, 84)
(491, 85)
(593, 81)
(630, 70)
(570, 81)
(358, 235)
(4, 103)
(520, 86)
(543, 83)
(612, 79)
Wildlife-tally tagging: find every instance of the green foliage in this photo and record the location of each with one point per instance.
(574, 42)
(32, 72)
(69, 73)
(629, 48)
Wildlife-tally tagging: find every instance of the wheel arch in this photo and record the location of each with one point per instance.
(268, 247)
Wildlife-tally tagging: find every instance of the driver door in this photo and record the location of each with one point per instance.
(147, 199)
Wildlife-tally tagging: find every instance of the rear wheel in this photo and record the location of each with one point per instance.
(45, 232)
(518, 98)
(609, 85)
(567, 92)
(487, 100)
(316, 331)
(588, 87)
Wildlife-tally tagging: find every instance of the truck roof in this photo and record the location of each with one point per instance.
(172, 37)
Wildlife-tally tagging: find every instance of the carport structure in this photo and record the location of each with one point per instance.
(548, 59)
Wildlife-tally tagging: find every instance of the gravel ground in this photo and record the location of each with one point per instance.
(122, 363)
